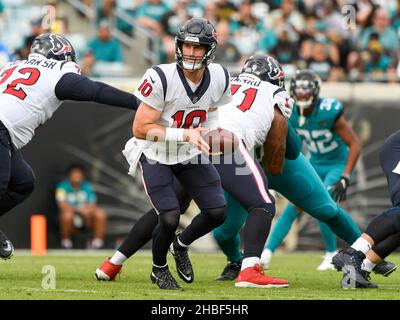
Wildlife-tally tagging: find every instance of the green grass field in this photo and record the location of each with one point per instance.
(21, 278)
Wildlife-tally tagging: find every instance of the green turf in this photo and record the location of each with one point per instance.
(21, 278)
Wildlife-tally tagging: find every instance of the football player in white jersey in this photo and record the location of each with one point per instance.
(243, 177)
(30, 92)
(179, 101)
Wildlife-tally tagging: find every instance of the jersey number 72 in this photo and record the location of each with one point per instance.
(33, 77)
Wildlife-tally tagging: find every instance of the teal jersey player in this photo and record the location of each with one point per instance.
(324, 144)
(333, 147)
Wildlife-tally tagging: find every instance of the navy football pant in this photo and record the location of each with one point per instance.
(201, 181)
(385, 228)
(16, 176)
(245, 180)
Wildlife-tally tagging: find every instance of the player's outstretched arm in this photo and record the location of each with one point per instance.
(275, 144)
(76, 87)
(347, 134)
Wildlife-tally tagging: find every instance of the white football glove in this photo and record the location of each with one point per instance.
(285, 103)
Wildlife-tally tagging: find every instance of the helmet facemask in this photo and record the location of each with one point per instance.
(192, 62)
(304, 88)
(196, 31)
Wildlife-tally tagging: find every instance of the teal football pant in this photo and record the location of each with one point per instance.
(329, 175)
(300, 184)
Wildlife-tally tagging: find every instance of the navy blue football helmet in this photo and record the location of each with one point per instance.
(266, 68)
(197, 31)
(53, 46)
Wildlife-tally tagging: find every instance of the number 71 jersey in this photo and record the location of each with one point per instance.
(27, 94)
(251, 112)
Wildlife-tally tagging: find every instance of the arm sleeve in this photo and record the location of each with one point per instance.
(72, 86)
(293, 143)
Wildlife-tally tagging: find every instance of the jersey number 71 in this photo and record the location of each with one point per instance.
(250, 96)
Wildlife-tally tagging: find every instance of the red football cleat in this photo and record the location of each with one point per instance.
(107, 271)
(254, 277)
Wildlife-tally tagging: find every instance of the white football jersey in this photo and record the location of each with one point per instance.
(182, 103)
(251, 112)
(27, 97)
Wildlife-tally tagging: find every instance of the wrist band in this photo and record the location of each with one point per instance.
(346, 176)
(174, 134)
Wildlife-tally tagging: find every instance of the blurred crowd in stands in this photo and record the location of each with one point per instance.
(342, 40)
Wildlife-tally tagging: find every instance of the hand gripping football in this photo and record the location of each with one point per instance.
(221, 141)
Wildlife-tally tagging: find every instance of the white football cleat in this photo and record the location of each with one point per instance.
(327, 262)
(266, 258)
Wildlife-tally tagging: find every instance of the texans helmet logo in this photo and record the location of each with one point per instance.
(59, 46)
(275, 71)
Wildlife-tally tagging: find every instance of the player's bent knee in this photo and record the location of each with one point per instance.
(22, 191)
(326, 212)
(100, 214)
(169, 219)
(266, 208)
(394, 215)
(216, 215)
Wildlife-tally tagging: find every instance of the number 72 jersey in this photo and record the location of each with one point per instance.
(324, 144)
(27, 94)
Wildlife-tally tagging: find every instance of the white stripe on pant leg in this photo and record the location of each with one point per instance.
(255, 173)
(145, 189)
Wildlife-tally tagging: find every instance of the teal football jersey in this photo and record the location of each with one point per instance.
(323, 143)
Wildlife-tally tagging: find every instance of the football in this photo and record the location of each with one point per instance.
(221, 141)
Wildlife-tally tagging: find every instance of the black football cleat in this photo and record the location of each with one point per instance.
(230, 272)
(385, 268)
(6, 247)
(182, 260)
(356, 279)
(350, 261)
(342, 258)
(164, 279)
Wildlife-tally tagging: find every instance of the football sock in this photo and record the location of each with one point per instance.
(140, 234)
(361, 245)
(367, 265)
(227, 234)
(249, 262)
(328, 237)
(281, 227)
(344, 226)
(231, 248)
(118, 258)
(163, 235)
(202, 224)
(256, 230)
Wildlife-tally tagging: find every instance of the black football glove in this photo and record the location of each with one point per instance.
(340, 189)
